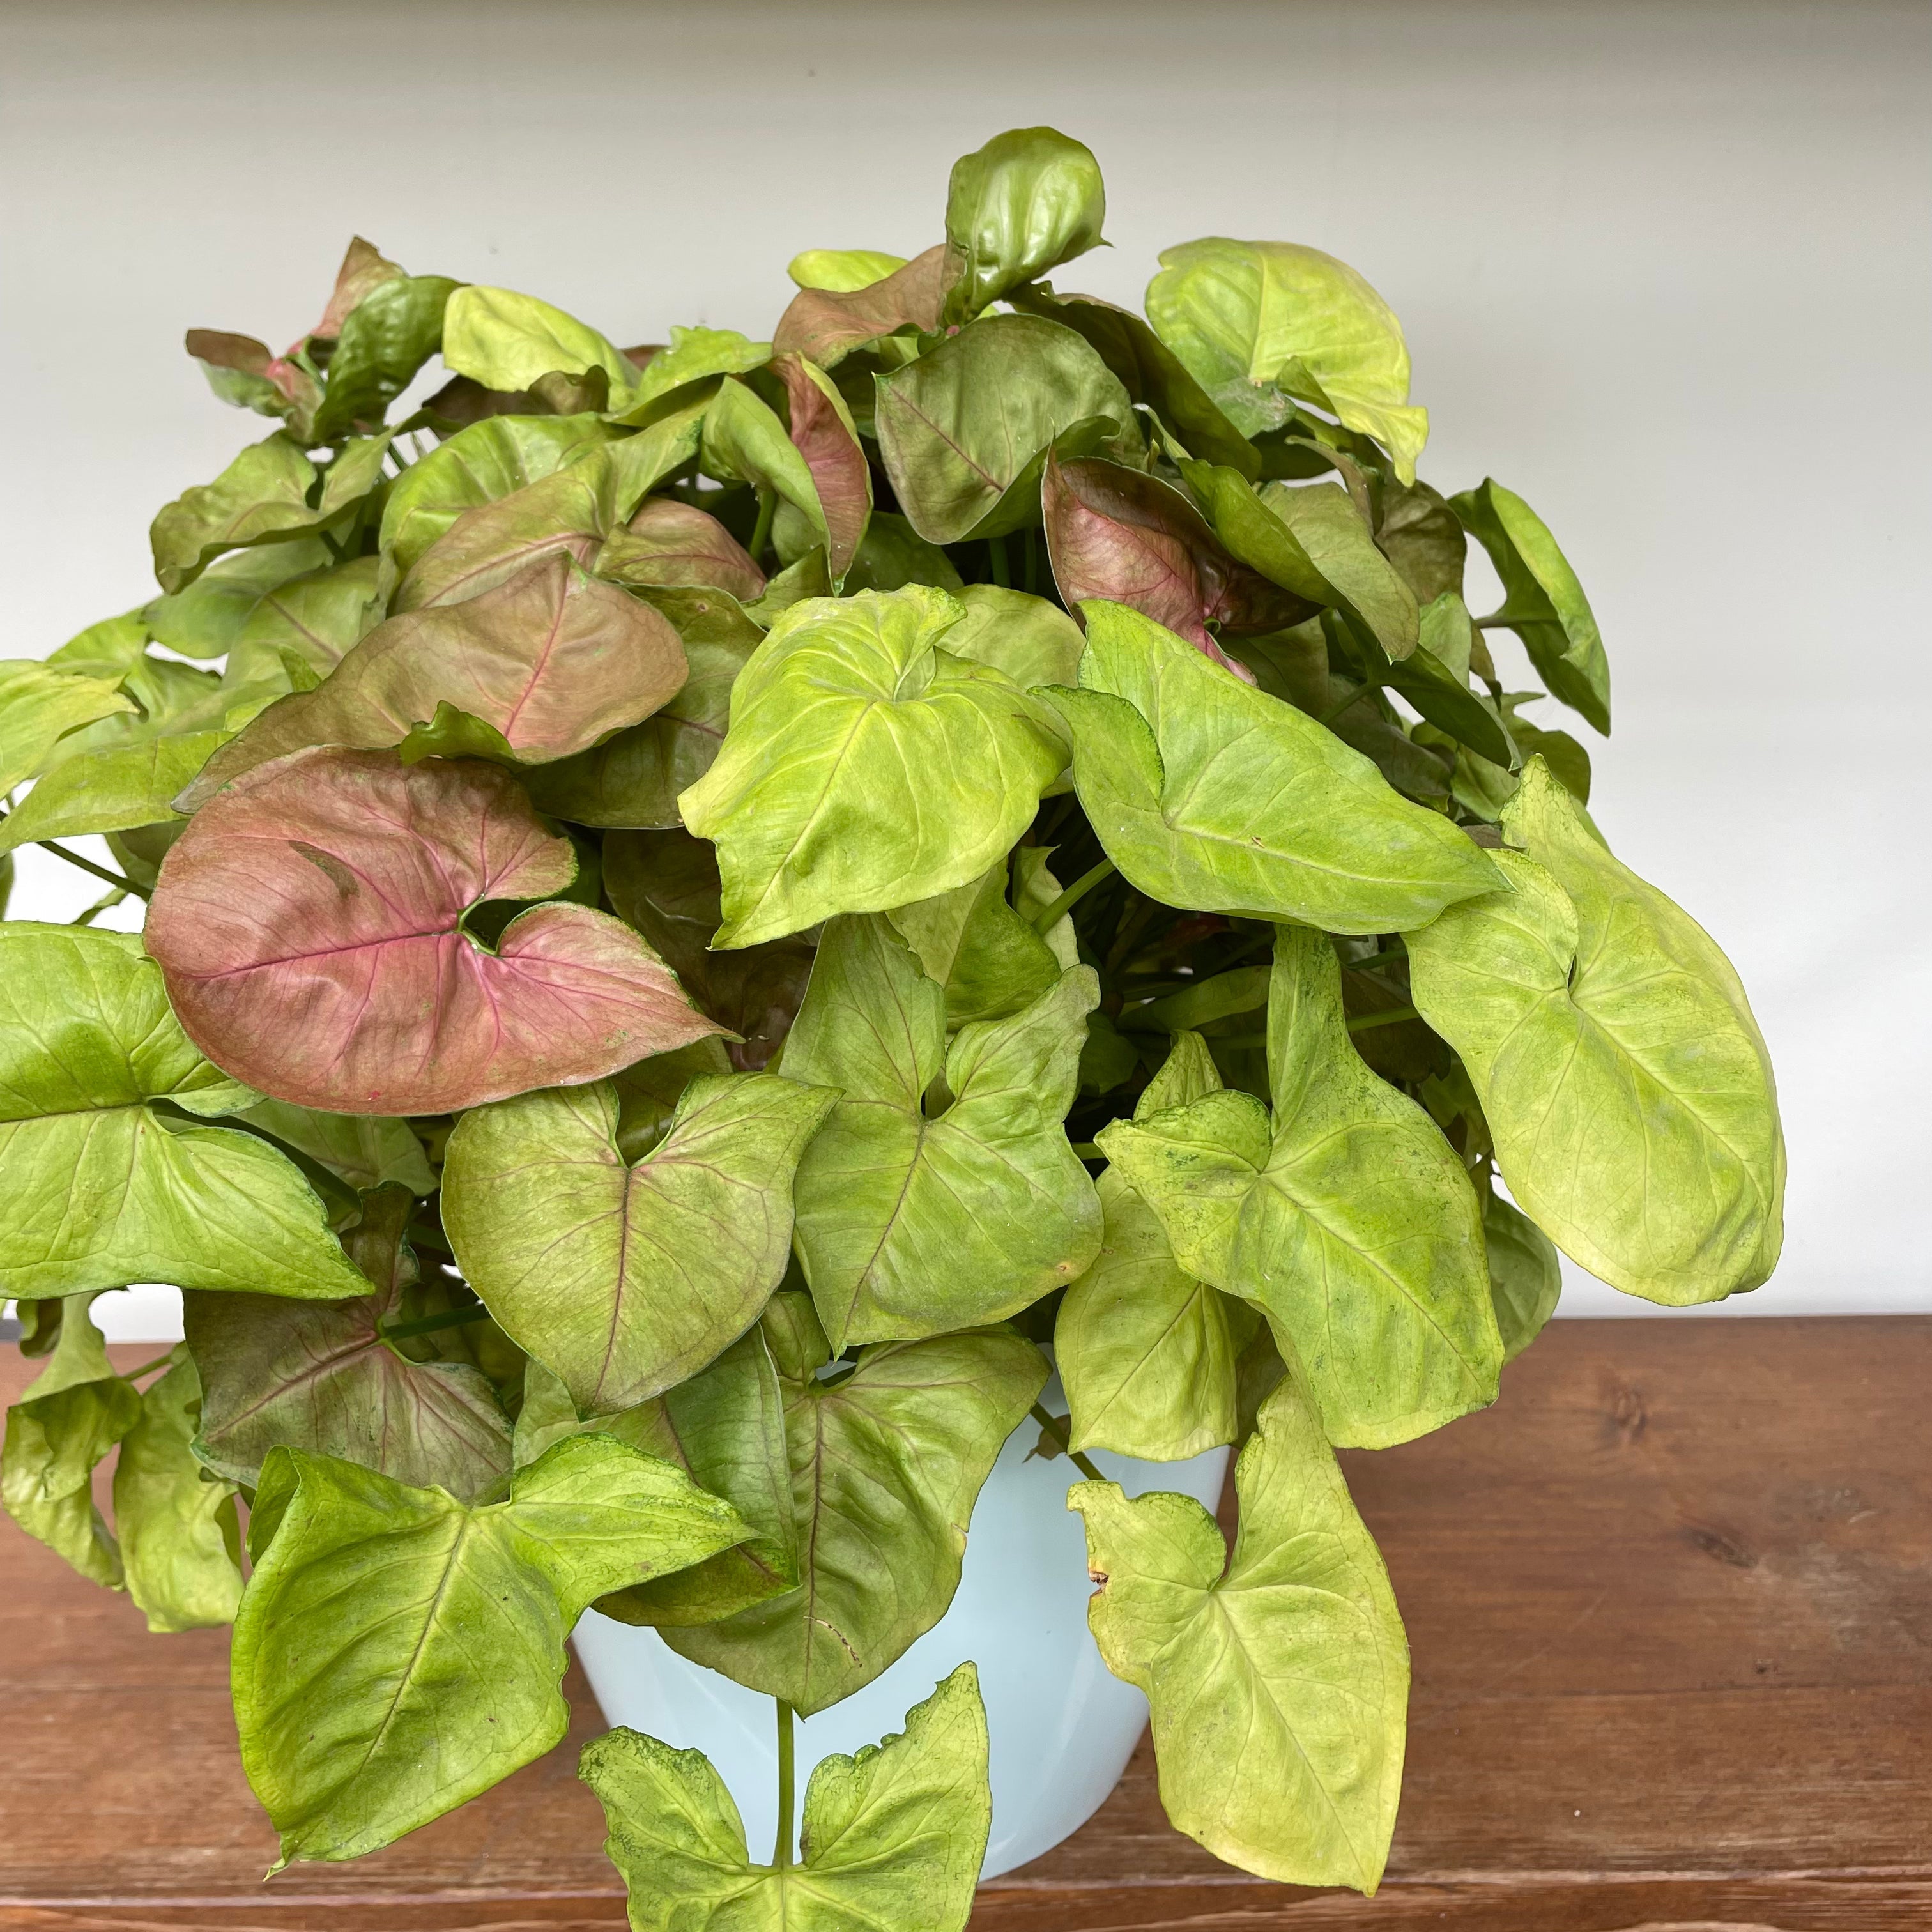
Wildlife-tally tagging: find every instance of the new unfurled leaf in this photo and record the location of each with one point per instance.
(1623, 1079)
(1543, 602)
(322, 1378)
(828, 325)
(505, 340)
(179, 1541)
(40, 705)
(886, 1463)
(911, 1223)
(398, 1651)
(1210, 794)
(667, 543)
(1028, 200)
(1278, 1676)
(865, 766)
(840, 271)
(625, 1277)
(311, 925)
(1145, 1351)
(964, 432)
(1348, 1218)
(893, 1836)
(1259, 322)
(553, 661)
(106, 1183)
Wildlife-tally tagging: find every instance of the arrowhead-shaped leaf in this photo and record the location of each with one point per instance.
(505, 340)
(107, 1184)
(625, 1277)
(988, 958)
(1033, 641)
(398, 1651)
(552, 660)
(964, 430)
(1622, 1075)
(1293, 826)
(1350, 1220)
(893, 1836)
(693, 356)
(323, 1378)
(886, 1463)
(311, 923)
(1145, 1351)
(1278, 1676)
(1028, 200)
(40, 705)
(865, 766)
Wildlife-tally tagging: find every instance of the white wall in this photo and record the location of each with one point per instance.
(1664, 269)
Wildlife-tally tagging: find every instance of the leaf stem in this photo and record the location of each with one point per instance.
(996, 550)
(1032, 561)
(1397, 951)
(87, 865)
(428, 1324)
(1056, 1426)
(1354, 697)
(1503, 620)
(105, 903)
(1087, 1151)
(1044, 922)
(788, 1787)
(768, 509)
(148, 1368)
(1393, 1016)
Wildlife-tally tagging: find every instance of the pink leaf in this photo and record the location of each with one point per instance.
(827, 326)
(674, 544)
(822, 433)
(309, 924)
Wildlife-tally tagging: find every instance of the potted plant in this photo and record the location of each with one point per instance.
(708, 903)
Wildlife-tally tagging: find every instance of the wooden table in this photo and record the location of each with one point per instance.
(1670, 1602)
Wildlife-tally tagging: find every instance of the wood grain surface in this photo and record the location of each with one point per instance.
(1670, 1603)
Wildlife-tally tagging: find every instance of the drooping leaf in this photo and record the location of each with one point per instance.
(398, 1651)
(1543, 602)
(1421, 535)
(893, 1836)
(669, 543)
(1525, 1278)
(40, 705)
(827, 325)
(841, 271)
(505, 340)
(249, 374)
(822, 431)
(625, 1277)
(1348, 1218)
(179, 1541)
(385, 339)
(746, 443)
(634, 779)
(104, 1188)
(1625, 1082)
(865, 766)
(553, 661)
(909, 1224)
(1279, 1689)
(665, 884)
(971, 942)
(1258, 323)
(1028, 200)
(322, 1378)
(1145, 1351)
(886, 1463)
(310, 924)
(964, 432)
(1295, 826)
(70, 1417)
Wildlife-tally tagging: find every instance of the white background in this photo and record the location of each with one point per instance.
(1665, 269)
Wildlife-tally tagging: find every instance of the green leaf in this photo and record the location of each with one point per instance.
(865, 766)
(893, 554)
(694, 355)
(113, 790)
(40, 705)
(1349, 1219)
(1298, 827)
(104, 1189)
(1033, 641)
(1145, 1351)
(178, 1537)
(323, 1378)
(1258, 323)
(624, 1278)
(828, 325)
(1322, 520)
(1028, 200)
(389, 334)
(1543, 602)
(964, 432)
(1525, 1278)
(398, 1651)
(71, 1415)
(746, 443)
(990, 960)
(1625, 1082)
(1422, 536)
(1279, 1689)
(887, 1461)
(365, 1150)
(505, 340)
(893, 1836)
(912, 1222)
(488, 461)
(841, 270)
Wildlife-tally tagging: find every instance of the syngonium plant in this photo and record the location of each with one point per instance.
(705, 903)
